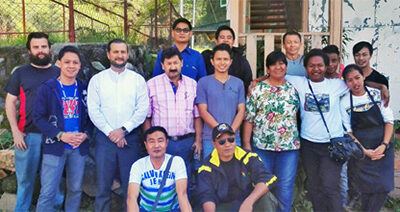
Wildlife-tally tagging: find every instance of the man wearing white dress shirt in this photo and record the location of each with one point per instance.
(118, 104)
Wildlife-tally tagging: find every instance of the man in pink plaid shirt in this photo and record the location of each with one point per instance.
(172, 106)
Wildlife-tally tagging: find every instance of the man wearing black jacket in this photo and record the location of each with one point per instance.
(240, 67)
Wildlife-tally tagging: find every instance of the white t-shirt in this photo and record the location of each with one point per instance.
(363, 103)
(149, 179)
(328, 93)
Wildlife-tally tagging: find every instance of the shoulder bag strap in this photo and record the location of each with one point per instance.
(164, 179)
(319, 108)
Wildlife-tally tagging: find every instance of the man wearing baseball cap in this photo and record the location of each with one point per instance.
(231, 178)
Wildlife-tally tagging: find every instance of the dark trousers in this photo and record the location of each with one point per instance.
(108, 158)
(323, 176)
(373, 202)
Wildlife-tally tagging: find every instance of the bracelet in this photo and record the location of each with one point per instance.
(386, 145)
(59, 135)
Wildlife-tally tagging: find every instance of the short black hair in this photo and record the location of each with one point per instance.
(222, 47)
(360, 45)
(316, 53)
(36, 35)
(222, 28)
(274, 57)
(170, 52)
(116, 40)
(182, 20)
(71, 49)
(154, 129)
(291, 33)
(331, 49)
(350, 68)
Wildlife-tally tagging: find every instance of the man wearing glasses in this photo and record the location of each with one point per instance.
(232, 179)
(193, 63)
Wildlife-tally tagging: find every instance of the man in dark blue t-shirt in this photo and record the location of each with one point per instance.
(64, 129)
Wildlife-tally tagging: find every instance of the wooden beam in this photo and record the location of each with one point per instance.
(304, 15)
(269, 45)
(234, 17)
(251, 53)
(335, 23)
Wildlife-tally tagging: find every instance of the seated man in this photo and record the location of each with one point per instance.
(231, 179)
(147, 175)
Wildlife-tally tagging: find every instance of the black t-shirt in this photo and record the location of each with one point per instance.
(24, 82)
(234, 192)
(378, 78)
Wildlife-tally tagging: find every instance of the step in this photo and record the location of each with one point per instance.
(268, 25)
(267, 12)
(268, 18)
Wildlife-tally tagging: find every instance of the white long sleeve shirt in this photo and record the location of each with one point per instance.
(117, 100)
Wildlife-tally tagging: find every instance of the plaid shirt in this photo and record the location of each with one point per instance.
(174, 112)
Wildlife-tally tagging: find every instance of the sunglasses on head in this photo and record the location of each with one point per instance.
(230, 140)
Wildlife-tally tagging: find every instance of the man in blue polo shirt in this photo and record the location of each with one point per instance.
(193, 63)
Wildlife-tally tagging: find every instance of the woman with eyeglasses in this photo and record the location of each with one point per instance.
(370, 124)
(271, 116)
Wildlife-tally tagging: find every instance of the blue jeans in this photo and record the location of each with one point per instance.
(51, 174)
(283, 165)
(208, 147)
(108, 159)
(183, 148)
(26, 167)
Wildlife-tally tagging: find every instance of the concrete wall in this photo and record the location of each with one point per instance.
(375, 21)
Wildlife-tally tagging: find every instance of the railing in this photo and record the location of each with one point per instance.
(309, 39)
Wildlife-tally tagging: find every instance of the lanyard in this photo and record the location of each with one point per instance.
(69, 110)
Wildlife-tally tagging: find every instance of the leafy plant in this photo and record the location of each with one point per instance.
(6, 140)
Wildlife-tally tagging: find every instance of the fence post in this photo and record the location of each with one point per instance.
(23, 17)
(126, 27)
(71, 21)
(155, 23)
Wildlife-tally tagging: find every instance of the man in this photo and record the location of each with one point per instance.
(23, 84)
(65, 129)
(240, 67)
(117, 104)
(362, 53)
(172, 106)
(333, 70)
(231, 179)
(193, 63)
(147, 173)
(292, 44)
(220, 97)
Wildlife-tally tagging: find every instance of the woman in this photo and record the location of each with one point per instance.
(323, 173)
(275, 135)
(371, 124)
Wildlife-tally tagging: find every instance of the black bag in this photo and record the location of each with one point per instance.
(341, 149)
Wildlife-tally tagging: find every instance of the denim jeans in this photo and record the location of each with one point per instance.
(26, 167)
(109, 160)
(283, 165)
(51, 174)
(208, 147)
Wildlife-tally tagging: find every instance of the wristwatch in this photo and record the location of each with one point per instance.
(126, 132)
(386, 145)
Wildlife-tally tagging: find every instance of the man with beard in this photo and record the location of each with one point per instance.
(23, 84)
(172, 96)
(117, 104)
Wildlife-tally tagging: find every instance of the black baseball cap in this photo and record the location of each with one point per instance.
(220, 129)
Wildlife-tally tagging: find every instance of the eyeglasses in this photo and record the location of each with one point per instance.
(230, 140)
(179, 30)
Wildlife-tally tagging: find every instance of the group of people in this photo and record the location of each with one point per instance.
(248, 134)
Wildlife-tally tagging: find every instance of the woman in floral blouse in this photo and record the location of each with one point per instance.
(271, 116)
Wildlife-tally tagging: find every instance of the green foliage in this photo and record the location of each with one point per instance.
(88, 35)
(300, 203)
(6, 140)
(393, 203)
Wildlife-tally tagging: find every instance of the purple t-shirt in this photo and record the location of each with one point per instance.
(222, 99)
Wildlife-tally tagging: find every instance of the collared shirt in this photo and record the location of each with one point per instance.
(193, 64)
(116, 100)
(174, 112)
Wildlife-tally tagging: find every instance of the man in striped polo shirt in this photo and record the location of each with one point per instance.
(147, 174)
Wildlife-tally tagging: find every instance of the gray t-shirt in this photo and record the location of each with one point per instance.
(296, 67)
(222, 99)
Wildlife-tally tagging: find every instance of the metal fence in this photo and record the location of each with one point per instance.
(106, 19)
